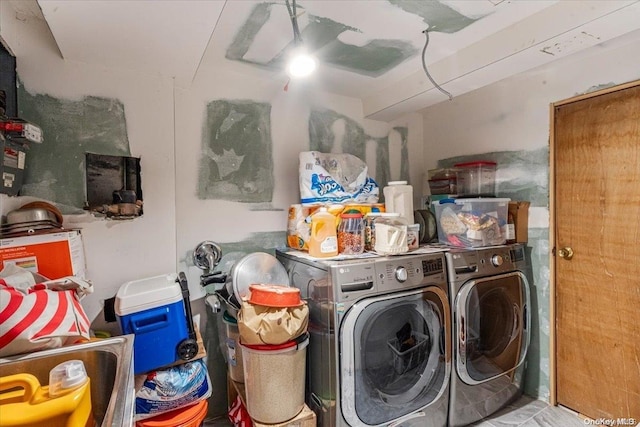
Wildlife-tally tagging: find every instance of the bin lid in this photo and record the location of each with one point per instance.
(143, 294)
(475, 164)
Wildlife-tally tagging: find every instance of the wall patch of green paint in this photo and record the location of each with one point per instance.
(404, 152)
(321, 37)
(56, 168)
(248, 31)
(438, 17)
(352, 139)
(257, 242)
(236, 160)
(373, 59)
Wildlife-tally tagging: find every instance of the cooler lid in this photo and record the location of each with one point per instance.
(143, 294)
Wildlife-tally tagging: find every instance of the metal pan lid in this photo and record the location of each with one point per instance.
(257, 267)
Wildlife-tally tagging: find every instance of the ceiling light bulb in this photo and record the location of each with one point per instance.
(301, 65)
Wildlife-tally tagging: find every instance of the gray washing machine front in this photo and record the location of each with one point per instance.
(491, 329)
(380, 338)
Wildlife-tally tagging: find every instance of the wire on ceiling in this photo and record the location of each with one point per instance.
(424, 65)
(291, 7)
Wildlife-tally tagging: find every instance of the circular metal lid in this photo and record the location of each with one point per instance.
(257, 267)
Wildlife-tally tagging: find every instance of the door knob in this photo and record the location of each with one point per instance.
(566, 253)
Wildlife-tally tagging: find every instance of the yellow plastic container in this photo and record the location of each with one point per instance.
(323, 242)
(26, 403)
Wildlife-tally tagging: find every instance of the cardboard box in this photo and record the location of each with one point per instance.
(52, 255)
(520, 213)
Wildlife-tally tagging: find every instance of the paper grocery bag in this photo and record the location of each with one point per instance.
(258, 324)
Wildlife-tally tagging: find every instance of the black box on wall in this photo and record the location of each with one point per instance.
(12, 166)
(8, 81)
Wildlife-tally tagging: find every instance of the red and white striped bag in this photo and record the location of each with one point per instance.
(41, 316)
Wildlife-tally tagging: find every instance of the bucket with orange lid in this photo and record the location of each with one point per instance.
(190, 416)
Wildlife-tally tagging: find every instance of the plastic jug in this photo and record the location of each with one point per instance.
(398, 198)
(65, 402)
(323, 242)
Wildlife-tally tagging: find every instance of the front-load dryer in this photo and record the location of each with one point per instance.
(380, 338)
(491, 329)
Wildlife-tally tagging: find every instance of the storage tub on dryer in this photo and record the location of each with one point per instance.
(153, 310)
(472, 223)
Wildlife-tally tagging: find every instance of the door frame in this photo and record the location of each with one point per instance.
(553, 396)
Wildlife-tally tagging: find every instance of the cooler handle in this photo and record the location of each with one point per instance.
(149, 321)
(26, 384)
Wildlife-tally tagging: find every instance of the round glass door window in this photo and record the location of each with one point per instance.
(492, 323)
(400, 351)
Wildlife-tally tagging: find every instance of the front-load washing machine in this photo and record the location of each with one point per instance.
(380, 338)
(491, 329)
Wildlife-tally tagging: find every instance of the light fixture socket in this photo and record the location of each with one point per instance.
(301, 63)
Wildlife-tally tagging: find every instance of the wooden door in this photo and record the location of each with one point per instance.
(596, 151)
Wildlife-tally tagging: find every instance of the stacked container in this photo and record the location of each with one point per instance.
(475, 222)
(476, 179)
(274, 374)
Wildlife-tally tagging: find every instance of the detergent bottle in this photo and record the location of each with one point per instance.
(323, 242)
(65, 402)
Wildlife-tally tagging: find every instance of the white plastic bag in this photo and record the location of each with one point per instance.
(335, 178)
(37, 315)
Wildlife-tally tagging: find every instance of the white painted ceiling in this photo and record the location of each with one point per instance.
(472, 43)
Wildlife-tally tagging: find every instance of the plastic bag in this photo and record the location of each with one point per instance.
(168, 389)
(259, 324)
(38, 315)
(238, 414)
(335, 178)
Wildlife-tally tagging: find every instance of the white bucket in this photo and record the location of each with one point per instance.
(274, 378)
(234, 354)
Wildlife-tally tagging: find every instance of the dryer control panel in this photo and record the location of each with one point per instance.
(465, 264)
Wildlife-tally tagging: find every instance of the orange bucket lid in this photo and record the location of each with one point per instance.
(274, 295)
(190, 416)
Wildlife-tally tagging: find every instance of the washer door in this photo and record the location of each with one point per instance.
(492, 326)
(395, 356)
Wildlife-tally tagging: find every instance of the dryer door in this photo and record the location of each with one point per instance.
(395, 357)
(492, 326)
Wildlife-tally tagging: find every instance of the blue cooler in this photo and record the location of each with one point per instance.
(153, 310)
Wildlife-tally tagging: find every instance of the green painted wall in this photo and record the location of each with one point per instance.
(353, 140)
(236, 161)
(56, 168)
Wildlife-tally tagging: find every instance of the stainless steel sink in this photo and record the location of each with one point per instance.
(109, 364)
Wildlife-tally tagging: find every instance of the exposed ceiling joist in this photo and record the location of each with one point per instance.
(554, 32)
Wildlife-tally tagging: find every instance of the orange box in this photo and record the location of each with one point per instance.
(52, 255)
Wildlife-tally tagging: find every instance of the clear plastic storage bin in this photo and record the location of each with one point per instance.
(472, 222)
(477, 179)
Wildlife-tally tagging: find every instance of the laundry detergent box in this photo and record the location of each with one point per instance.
(153, 310)
(52, 255)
